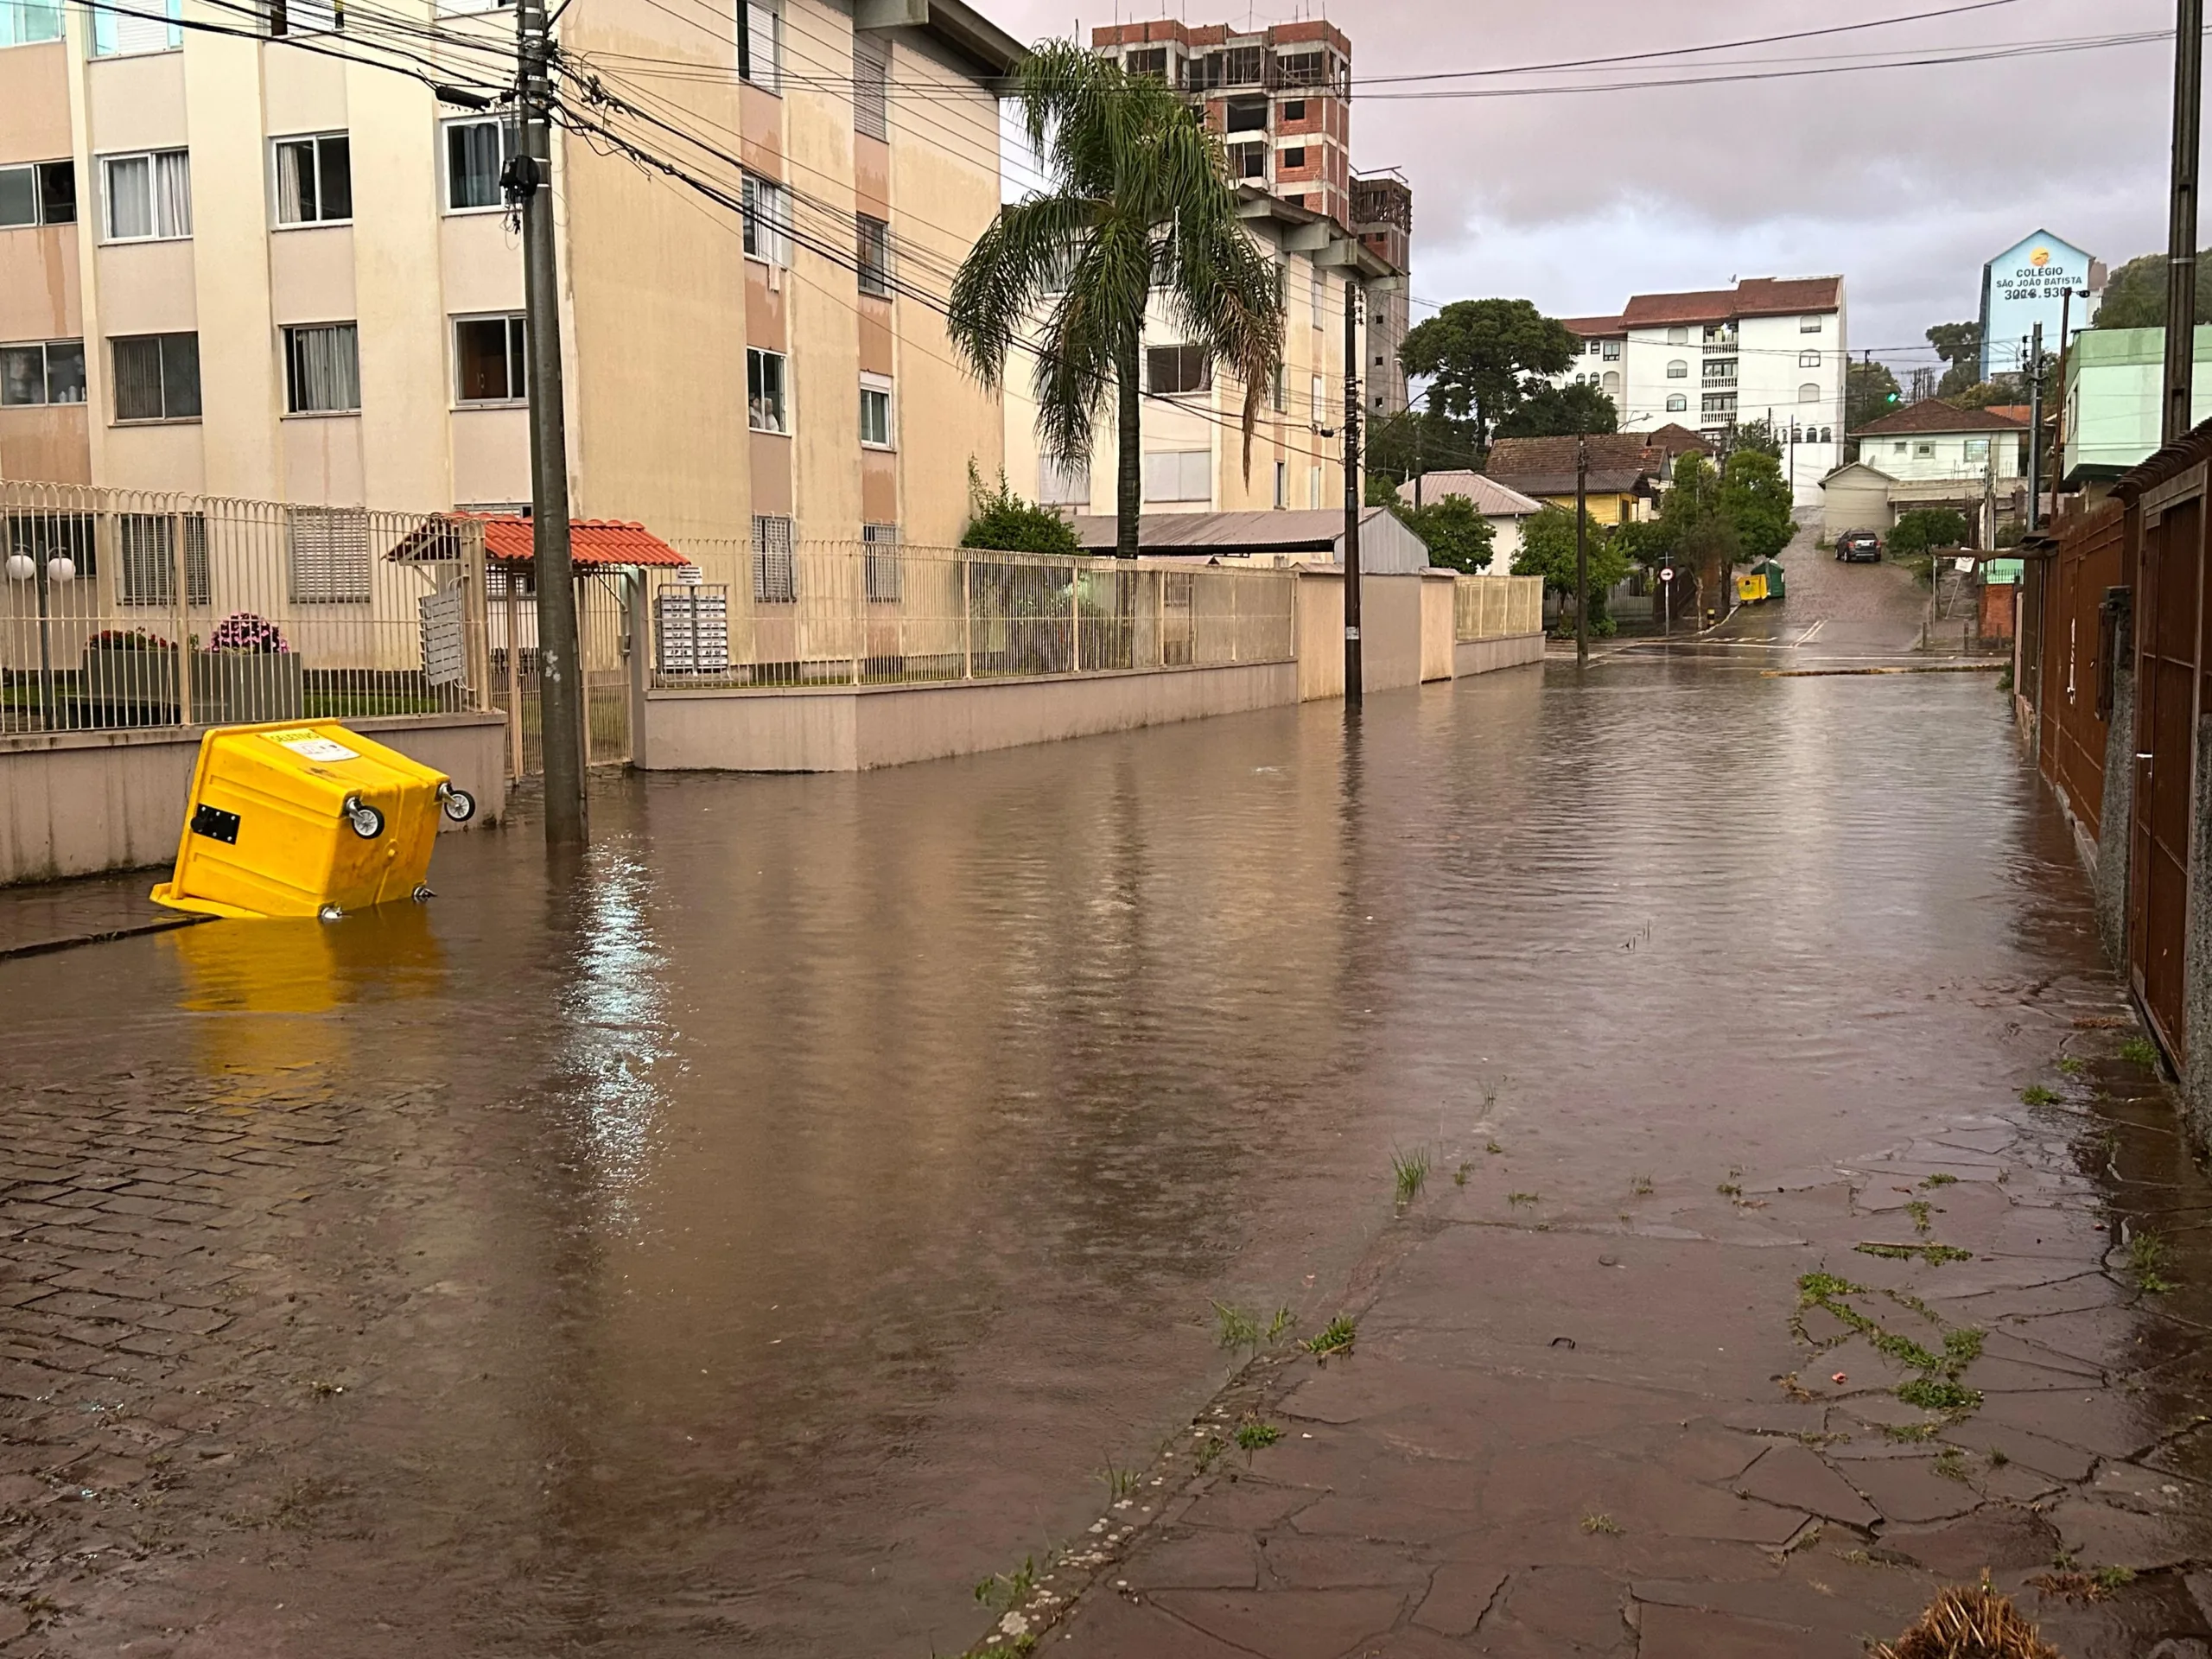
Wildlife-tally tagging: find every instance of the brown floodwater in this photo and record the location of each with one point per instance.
(751, 1243)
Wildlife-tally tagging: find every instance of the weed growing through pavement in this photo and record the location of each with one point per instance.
(2068, 1583)
(1460, 1175)
(1951, 1463)
(2146, 1255)
(1730, 1190)
(1254, 1435)
(1209, 1452)
(1234, 1328)
(1939, 1178)
(1938, 1394)
(1919, 1210)
(2035, 1095)
(1003, 1592)
(1934, 1255)
(1937, 1388)
(1335, 1337)
(1641, 1187)
(2072, 1065)
(1998, 1459)
(1910, 1431)
(1596, 1524)
(2112, 1577)
(1410, 1169)
(1493, 1148)
(1524, 1198)
(2139, 1051)
(1120, 1482)
(1279, 1327)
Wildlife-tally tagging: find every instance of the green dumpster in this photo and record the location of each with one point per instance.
(1771, 570)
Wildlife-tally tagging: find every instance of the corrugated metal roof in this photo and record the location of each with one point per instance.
(1264, 531)
(1489, 497)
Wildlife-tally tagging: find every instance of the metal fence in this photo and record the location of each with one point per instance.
(766, 614)
(1496, 608)
(131, 608)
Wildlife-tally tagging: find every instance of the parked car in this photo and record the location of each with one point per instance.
(1856, 545)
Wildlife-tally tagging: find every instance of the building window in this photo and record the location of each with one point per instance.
(154, 27)
(881, 574)
(775, 581)
(1294, 109)
(1678, 369)
(1315, 272)
(1677, 403)
(283, 17)
(1318, 398)
(148, 196)
(328, 554)
(1245, 115)
(1977, 451)
(51, 371)
(1179, 476)
(1295, 156)
(1808, 360)
(314, 180)
(1247, 161)
(1312, 486)
(1809, 392)
(1612, 351)
(148, 544)
(1678, 336)
(476, 151)
(45, 193)
(25, 22)
(876, 428)
(1826, 434)
(767, 208)
(1283, 485)
(156, 378)
(1898, 447)
(1610, 383)
(1808, 325)
(1923, 452)
(764, 390)
(1171, 369)
(1063, 484)
(322, 369)
(871, 86)
(1147, 60)
(873, 247)
(761, 46)
(1279, 390)
(489, 361)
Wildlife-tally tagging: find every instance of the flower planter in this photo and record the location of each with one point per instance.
(232, 687)
(129, 686)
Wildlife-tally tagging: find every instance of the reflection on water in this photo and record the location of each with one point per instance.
(615, 1027)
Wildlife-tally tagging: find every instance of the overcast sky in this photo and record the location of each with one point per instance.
(1905, 180)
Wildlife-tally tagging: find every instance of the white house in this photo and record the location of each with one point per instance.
(1769, 349)
(1504, 508)
(1931, 455)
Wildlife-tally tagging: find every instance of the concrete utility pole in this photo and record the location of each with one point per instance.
(2035, 429)
(1354, 495)
(2058, 419)
(1581, 551)
(560, 680)
(2181, 225)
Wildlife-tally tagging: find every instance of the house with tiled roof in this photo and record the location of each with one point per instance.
(1625, 476)
(1931, 455)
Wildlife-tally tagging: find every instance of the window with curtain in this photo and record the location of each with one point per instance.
(322, 369)
(1171, 369)
(476, 151)
(764, 390)
(151, 26)
(775, 581)
(25, 22)
(872, 246)
(326, 555)
(761, 46)
(148, 544)
(871, 86)
(314, 179)
(765, 208)
(149, 196)
(488, 359)
(42, 193)
(156, 376)
(51, 371)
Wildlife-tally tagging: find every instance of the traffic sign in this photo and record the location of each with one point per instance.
(1667, 573)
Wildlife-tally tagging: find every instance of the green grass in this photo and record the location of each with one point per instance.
(1951, 1463)
(2114, 1578)
(1934, 1255)
(1336, 1336)
(1938, 1394)
(1911, 1432)
(2147, 1258)
(1234, 1328)
(1919, 1210)
(1279, 1326)
(2035, 1095)
(1003, 1592)
(1730, 1190)
(1460, 1175)
(1253, 1436)
(1120, 1482)
(1524, 1198)
(1493, 1148)
(2072, 1065)
(1641, 1187)
(1410, 1170)
(2139, 1051)
(1601, 1524)
(1940, 1179)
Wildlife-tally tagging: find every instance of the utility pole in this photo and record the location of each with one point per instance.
(2181, 225)
(560, 681)
(1581, 551)
(1354, 495)
(2058, 419)
(2035, 430)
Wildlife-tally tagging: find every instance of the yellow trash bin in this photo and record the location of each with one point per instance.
(310, 819)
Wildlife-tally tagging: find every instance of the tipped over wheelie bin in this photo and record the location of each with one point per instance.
(306, 819)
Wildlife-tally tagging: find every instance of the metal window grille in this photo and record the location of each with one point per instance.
(147, 542)
(774, 574)
(881, 571)
(871, 86)
(327, 553)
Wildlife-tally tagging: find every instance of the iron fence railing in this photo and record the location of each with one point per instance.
(779, 614)
(1493, 608)
(132, 608)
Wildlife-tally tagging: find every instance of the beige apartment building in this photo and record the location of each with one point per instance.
(248, 265)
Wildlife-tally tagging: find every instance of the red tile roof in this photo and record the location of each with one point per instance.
(1933, 414)
(1754, 296)
(1592, 328)
(592, 542)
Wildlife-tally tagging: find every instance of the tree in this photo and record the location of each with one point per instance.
(1870, 392)
(1759, 434)
(1548, 550)
(1410, 441)
(1560, 412)
(1459, 537)
(1695, 527)
(1000, 518)
(2004, 389)
(2135, 294)
(1139, 212)
(1755, 497)
(1925, 527)
(1482, 358)
(1959, 344)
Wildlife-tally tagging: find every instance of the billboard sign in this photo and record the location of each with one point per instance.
(2023, 286)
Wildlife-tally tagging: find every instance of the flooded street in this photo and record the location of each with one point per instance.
(755, 1244)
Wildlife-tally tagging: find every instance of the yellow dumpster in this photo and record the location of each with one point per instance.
(1750, 590)
(305, 820)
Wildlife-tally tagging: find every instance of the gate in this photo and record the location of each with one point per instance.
(2171, 574)
(602, 645)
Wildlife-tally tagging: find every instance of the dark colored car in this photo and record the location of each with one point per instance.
(1855, 545)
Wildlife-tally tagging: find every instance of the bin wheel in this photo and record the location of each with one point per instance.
(423, 893)
(367, 822)
(329, 913)
(460, 804)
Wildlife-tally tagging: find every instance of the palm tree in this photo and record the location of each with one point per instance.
(1141, 200)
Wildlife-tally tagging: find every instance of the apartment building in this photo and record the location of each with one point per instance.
(1279, 98)
(1768, 349)
(1192, 418)
(246, 262)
